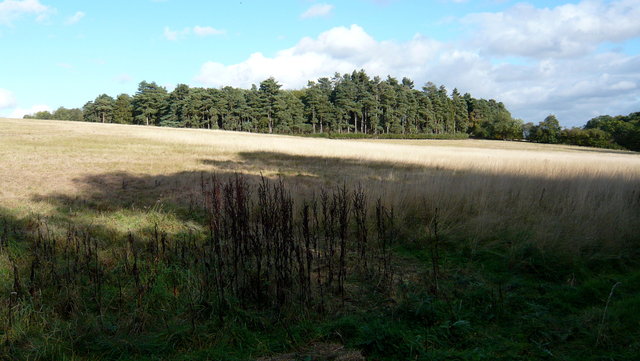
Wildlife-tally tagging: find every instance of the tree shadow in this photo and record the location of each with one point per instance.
(478, 204)
(603, 150)
(324, 170)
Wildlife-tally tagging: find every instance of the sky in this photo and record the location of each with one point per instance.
(573, 59)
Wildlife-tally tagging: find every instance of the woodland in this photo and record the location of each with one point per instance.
(346, 106)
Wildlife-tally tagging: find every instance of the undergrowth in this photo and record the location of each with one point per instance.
(267, 274)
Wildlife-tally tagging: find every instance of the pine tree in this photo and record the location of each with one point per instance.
(103, 106)
(123, 109)
(269, 90)
(149, 103)
(461, 114)
(177, 107)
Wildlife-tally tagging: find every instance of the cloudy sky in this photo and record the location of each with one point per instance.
(574, 59)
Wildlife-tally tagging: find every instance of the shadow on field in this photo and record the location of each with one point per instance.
(314, 170)
(304, 162)
(180, 194)
(604, 150)
(123, 295)
(479, 205)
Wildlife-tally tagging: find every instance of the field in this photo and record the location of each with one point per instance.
(493, 250)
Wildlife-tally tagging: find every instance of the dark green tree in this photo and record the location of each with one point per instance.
(149, 103)
(268, 92)
(460, 111)
(103, 106)
(288, 113)
(547, 131)
(345, 103)
(123, 109)
(43, 114)
(505, 127)
(177, 107)
(252, 114)
(388, 101)
(587, 137)
(625, 130)
(62, 113)
(89, 113)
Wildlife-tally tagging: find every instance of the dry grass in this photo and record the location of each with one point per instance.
(486, 190)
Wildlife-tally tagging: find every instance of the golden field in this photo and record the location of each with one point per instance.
(120, 175)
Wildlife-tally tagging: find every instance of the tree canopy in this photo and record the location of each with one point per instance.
(345, 103)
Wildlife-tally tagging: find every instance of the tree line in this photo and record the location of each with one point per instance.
(605, 131)
(347, 104)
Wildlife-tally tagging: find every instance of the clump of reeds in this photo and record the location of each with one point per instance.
(262, 248)
(269, 250)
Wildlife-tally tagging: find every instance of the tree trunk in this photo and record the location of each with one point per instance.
(313, 119)
(355, 122)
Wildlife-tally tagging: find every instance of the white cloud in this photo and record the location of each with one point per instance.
(623, 85)
(568, 30)
(123, 78)
(8, 103)
(20, 112)
(173, 35)
(7, 100)
(340, 49)
(11, 10)
(317, 10)
(572, 88)
(207, 31)
(75, 18)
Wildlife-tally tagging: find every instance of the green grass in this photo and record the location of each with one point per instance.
(492, 303)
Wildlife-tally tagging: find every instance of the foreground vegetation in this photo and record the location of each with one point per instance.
(122, 242)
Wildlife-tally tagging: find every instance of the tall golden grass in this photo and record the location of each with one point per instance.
(551, 196)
